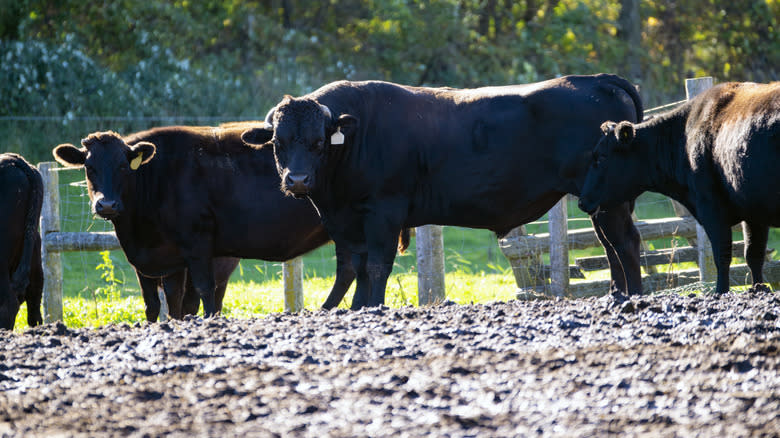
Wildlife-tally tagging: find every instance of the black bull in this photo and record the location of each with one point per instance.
(375, 157)
(180, 197)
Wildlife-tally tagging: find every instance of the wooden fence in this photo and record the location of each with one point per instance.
(523, 251)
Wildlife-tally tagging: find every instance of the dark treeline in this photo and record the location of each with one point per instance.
(235, 59)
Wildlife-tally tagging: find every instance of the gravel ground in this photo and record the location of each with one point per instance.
(656, 365)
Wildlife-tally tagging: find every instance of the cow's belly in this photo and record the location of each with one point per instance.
(155, 261)
(496, 213)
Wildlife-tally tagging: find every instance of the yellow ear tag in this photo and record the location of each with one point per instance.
(136, 163)
(337, 137)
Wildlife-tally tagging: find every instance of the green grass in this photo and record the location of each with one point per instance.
(477, 271)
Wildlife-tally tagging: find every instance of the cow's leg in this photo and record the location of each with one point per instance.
(34, 292)
(202, 273)
(719, 233)
(9, 303)
(345, 275)
(149, 294)
(621, 240)
(363, 288)
(223, 267)
(756, 237)
(173, 285)
(381, 230)
(191, 300)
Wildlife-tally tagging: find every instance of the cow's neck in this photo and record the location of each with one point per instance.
(663, 139)
(135, 224)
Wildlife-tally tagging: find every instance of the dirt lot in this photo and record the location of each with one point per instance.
(661, 365)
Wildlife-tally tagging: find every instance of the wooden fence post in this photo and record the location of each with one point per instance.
(292, 274)
(559, 249)
(707, 270)
(527, 269)
(52, 261)
(164, 312)
(429, 243)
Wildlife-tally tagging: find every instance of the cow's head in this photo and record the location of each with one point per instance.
(109, 163)
(611, 179)
(305, 134)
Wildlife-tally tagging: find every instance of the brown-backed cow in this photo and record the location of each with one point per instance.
(21, 274)
(716, 154)
(376, 157)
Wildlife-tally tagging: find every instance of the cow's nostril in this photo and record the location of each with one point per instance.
(296, 180)
(105, 206)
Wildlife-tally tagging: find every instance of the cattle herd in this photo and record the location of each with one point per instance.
(360, 163)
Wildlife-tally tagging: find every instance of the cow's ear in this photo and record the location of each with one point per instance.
(625, 133)
(69, 155)
(344, 129)
(608, 127)
(140, 153)
(258, 137)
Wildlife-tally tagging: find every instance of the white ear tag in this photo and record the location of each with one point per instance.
(136, 163)
(337, 137)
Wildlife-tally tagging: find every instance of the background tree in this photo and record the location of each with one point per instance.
(235, 58)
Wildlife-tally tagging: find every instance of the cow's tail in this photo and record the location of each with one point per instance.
(403, 240)
(21, 277)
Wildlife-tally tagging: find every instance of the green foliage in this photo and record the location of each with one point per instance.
(110, 290)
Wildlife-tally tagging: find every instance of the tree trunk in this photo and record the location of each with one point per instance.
(630, 31)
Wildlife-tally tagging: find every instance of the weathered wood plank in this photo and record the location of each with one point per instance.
(81, 241)
(429, 243)
(659, 257)
(516, 247)
(559, 249)
(52, 261)
(292, 275)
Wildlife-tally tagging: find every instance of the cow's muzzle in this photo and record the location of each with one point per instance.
(297, 184)
(588, 207)
(106, 208)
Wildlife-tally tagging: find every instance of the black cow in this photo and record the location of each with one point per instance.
(375, 157)
(716, 154)
(21, 273)
(180, 196)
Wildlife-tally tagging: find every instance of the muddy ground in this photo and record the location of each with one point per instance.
(657, 365)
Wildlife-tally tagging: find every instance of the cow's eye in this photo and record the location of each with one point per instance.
(320, 144)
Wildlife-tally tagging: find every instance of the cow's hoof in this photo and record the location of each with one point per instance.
(615, 299)
(760, 288)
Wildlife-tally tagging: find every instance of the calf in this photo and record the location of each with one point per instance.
(21, 273)
(180, 196)
(716, 154)
(376, 157)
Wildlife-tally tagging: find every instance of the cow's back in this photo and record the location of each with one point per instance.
(740, 122)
